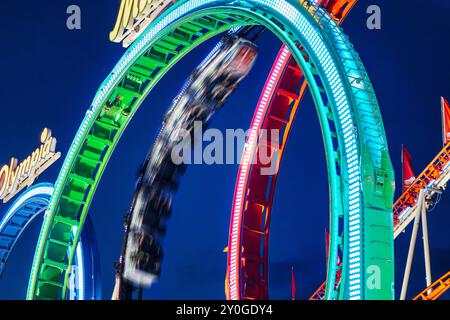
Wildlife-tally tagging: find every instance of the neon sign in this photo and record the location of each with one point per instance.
(15, 177)
(134, 16)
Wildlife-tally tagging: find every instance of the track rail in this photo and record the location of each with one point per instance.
(433, 180)
(277, 107)
(341, 91)
(30, 205)
(16, 220)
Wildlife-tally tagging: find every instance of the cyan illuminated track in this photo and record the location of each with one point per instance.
(360, 171)
(255, 191)
(15, 222)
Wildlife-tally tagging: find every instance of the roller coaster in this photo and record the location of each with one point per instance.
(419, 197)
(29, 206)
(319, 47)
(315, 55)
(203, 94)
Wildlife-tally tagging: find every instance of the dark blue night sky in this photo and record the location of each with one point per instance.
(50, 74)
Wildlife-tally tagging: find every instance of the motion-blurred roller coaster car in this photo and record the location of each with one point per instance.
(143, 254)
(205, 92)
(214, 81)
(147, 260)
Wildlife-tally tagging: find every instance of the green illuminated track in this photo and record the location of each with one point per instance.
(356, 143)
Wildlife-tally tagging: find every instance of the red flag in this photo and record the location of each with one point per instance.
(445, 120)
(408, 172)
(294, 289)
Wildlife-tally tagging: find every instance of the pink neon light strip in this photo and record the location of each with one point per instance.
(234, 241)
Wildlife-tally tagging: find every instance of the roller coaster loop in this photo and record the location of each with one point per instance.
(359, 168)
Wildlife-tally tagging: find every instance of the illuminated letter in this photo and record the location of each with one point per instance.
(27, 168)
(13, 175)
(143, 4)
(49, 143)
(35, 157)
(127, 8)
(129, 11)
(49, 147)
(4, 177)
(74, 20)
(23, 168)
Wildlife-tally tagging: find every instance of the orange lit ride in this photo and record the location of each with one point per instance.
(436, 290)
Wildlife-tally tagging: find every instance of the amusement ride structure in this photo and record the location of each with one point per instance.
(360, 171)
(421, 194)
(315, 55)
(86, 278)
(203, 94)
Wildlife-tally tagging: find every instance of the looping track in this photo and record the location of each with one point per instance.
(279, 101)
(359, 168)
(30, 205)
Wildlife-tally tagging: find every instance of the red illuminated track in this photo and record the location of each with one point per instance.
(248, 245)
